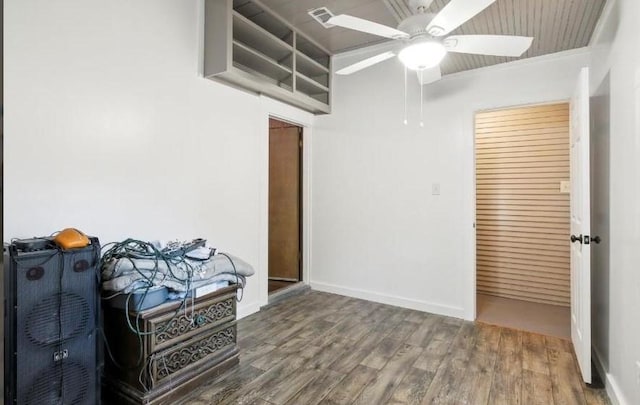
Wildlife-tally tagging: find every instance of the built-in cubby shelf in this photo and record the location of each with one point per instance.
(311, 88)
(258, 38)
(312, 69)
(248, 46)
(250, 60)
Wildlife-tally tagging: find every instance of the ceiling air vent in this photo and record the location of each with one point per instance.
(321, 15)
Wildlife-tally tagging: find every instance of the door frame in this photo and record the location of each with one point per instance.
(473, 242)
(300, 168)
(283, 112)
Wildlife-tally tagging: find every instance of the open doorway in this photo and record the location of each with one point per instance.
(522, 218)
(285, 205)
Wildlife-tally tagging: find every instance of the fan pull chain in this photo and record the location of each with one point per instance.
(421, 99)
(405, 95)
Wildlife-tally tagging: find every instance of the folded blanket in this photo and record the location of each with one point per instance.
(128, 274)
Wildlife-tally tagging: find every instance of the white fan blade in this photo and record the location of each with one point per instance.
(497, 45)
(426, 76)
(365, 63)
(370, 27)
(454, 14)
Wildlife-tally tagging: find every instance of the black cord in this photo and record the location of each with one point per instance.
(46, 260)
(131, 249)
(113, 359)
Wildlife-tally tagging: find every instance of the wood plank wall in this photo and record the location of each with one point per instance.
(522, 218)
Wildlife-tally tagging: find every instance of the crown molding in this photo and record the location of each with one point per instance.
(520, 63)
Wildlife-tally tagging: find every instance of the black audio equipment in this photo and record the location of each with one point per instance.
(52, 313)
(33, 245)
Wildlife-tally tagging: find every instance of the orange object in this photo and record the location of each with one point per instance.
(71, 238)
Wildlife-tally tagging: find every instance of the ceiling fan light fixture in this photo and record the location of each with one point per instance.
(422, 55)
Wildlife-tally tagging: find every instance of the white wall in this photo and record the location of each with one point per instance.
(616, 294)
(378, 232)
(109, 128)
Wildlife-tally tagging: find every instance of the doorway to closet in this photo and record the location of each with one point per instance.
(285, 206)
(523, 218)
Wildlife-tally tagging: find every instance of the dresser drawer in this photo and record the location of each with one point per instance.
(170, 328)
(211, 346)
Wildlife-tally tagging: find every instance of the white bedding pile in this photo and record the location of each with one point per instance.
(129, 274)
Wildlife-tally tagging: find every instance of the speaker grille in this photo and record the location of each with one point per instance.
(44, 320)
(52, 347)
(60, 385)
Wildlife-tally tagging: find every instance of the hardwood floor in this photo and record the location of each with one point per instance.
(320, 348)
(550, 320)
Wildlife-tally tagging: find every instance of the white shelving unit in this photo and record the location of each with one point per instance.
(248, 46)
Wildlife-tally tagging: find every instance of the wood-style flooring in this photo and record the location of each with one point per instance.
(549, 320)
(320, 348)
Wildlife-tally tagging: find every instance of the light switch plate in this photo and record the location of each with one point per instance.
(435, 189)
(565, 186)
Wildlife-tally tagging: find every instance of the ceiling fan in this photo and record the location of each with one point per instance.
(426, 39)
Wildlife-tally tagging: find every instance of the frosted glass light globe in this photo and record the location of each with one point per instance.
(422, 55)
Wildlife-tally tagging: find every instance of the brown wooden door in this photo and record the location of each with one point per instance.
(284, 200)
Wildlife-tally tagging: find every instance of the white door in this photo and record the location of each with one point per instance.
(581, 226)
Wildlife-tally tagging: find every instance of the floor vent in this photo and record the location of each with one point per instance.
(322, 15)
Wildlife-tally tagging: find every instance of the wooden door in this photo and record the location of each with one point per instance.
(284, 200)
(581, 226)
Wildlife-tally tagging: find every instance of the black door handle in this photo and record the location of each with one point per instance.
(575, 238)
(595, 239)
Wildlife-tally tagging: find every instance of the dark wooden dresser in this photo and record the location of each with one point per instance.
(174, 353)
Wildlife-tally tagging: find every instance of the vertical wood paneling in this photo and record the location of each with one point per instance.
(556, 26)
(522, 218)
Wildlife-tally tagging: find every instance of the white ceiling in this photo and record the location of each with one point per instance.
(556, 25)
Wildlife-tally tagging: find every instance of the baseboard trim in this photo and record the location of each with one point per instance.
(286, 293)
(245, 310)
(613, 389)
(424, 306)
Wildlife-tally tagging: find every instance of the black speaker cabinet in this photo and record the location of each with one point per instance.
(52, 313)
